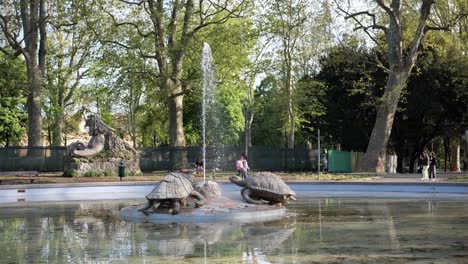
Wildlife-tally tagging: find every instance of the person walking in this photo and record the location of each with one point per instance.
(425, 166)
(242, 166)
(432, 166)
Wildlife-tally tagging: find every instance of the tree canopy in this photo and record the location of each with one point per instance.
(389, 77)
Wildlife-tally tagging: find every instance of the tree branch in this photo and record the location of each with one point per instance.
(173, 23)
(361, 25)
(385, 7)
(420, 32)
(10, 38)
(118, 24)
(380, 64)
(230, 13)
(138, 3)
(431, 28)
(374, 23)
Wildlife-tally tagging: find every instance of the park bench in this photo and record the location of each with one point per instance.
(29, 174)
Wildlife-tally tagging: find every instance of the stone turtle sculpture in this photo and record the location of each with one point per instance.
(264, 188)
(172, 192)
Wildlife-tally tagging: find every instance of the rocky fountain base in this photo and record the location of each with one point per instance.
(216, 209)
(103, 164)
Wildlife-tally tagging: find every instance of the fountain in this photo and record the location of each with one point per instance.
(173, 199)
(208, 96)
(213, 134)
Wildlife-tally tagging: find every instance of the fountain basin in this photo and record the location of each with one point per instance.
(216, 209)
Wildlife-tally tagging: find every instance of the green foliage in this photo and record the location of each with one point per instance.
(13, 115)
(70, 173)
(153, 124)
(94, 174)
(267, 128)
(310, 98)
(12, 120)
(353, 85)
(435, 103)
(231, 44)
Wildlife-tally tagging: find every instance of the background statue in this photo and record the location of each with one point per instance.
(103, 154)
(102, 138)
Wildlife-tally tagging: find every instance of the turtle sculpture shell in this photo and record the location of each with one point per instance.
(173, 186)
(269, 182)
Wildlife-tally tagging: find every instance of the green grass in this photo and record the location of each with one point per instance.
(458, 178)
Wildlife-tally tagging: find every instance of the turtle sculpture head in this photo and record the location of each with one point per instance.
(238, 181)
(264, 188)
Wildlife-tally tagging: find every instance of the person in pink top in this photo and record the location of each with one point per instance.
(242, 166)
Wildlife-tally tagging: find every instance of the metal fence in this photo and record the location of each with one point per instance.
(51, 159)
(32, 158)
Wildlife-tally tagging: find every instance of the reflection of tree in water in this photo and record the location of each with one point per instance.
(93, 232)
(62, 232)
(263, 239)
(182, 239)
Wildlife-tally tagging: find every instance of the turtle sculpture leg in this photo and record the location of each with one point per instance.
(200, 199)
(247, 195)
(175, 207)
(149, 207)
(145, 207)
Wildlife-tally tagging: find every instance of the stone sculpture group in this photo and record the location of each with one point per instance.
(178, 190)
(103, 154)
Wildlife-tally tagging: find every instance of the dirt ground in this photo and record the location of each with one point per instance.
(157, 176)
(57, 177)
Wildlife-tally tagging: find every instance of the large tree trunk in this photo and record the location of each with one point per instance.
(176, 110)
(447, 152)
(58, 129)
(374, 159)
(34, 104)
(33, 19)
(455, 164)
(289, 91)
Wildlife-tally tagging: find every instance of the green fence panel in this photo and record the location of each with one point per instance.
(32, 158)
(171, 158)
(339, 161)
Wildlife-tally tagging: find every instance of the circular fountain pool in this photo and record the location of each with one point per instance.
(324, 226)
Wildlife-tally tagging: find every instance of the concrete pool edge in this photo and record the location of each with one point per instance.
(138, 190)
(153, 183)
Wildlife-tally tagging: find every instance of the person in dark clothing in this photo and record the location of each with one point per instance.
(420, 161)
(432, 166)
(199, 165)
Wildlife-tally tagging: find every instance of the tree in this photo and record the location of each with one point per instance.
(173, 26)
(401, 56)
(434, 103)
(286, 21)
(231, 44)
(299, 33)
(23, 25)
(72, 49)
(352, 86)
(267, 128)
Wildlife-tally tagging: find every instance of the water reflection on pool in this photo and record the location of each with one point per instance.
(322, 230)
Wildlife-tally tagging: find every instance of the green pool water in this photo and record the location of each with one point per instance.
(318, 230)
